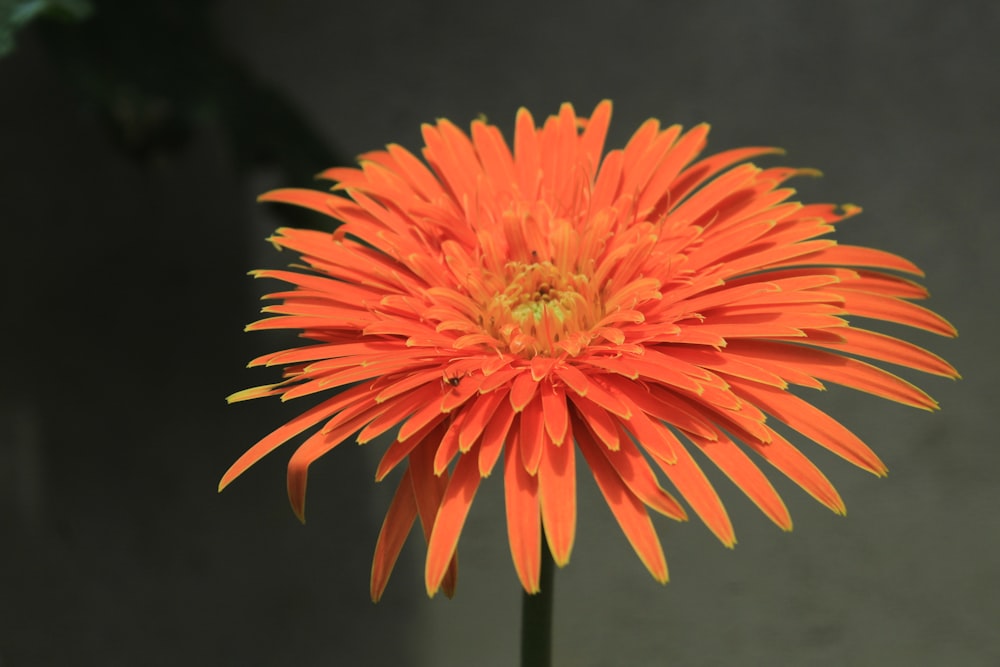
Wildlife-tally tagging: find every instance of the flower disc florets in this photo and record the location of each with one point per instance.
(542, 310)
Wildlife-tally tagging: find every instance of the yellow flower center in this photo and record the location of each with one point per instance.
(542, 310)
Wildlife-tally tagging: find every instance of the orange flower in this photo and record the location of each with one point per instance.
(635, 306)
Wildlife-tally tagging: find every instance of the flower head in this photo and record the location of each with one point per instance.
(636, 306)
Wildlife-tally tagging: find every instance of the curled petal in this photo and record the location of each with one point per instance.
(395, 527)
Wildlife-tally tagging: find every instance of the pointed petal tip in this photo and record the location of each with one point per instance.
(297, 494)
(249, 394)
(658, 571)
(231, 474)
(850, 210)
(561, 560)
(661, 577)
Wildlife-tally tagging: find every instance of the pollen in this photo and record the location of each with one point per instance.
(543, 310)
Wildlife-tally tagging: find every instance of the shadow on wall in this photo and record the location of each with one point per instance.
(132, 205)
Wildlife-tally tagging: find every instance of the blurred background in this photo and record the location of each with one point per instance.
(134, 138)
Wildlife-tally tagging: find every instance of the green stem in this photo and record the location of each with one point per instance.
(536, 618)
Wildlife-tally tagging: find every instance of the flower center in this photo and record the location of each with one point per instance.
(542, 310)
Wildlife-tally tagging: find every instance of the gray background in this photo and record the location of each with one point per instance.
(125, 299)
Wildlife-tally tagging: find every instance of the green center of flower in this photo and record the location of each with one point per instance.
(542, 310)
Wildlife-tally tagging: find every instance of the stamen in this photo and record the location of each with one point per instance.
(541, 308)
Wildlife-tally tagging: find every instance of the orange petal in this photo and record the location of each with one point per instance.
(448, 447)
(526, 154)
(481, 411)
(391, 537)
(279, 436)
(533, 436)
(573, 377)
(634, 470)
(887, 284)
(400, 449)
(316, 446)
(892, 309)
(450, 518)
(665, 369)
(501, 424)
(409, 381)
(497, 161)
(789, 460)
(592, 140)
(419, 419)
(689, 479)
(709, 166)
(297, 478)
(396, 410)
(730, 364)
(499, 378)
(627, 508)
(886, 348)
(557, 496)
(813, 423)
(315, 200)
(834, 368)
(428, 490)
(847, 255)
(597, 421)
(522, 390)
(554, 409)
(610, 401)
(731, 460)
(667, 406)
(685, 150)
(414, 171)
(523, 518)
